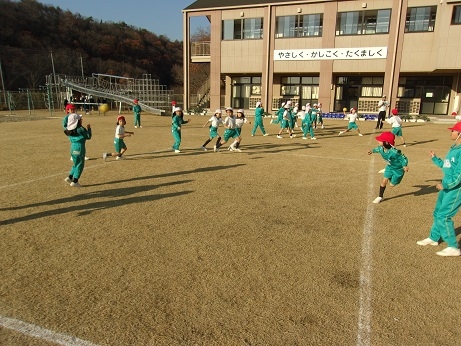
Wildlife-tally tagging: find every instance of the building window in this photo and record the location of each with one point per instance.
(299, 26)
(252, 28)
(311, 25)
(420, 19)
(306, 89)
(237, 29)
(244, 91)
(372, 87)
(456, 17)
(363, 22)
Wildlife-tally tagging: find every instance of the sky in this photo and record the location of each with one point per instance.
(161, 17)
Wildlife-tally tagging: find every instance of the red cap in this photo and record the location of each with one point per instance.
(395, 111)
(70, 106)
(456, 128)
(454, 114)
(135, 101)
(386, 137)
(120, 118)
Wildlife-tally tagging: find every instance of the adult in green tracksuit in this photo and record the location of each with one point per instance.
(448, 199)
(176, 122)
(259, 114)
(78, 135)
(137, 113)
(397, 162)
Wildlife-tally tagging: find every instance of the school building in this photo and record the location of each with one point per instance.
(345, 53)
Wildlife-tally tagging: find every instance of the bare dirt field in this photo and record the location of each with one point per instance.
(277, 245)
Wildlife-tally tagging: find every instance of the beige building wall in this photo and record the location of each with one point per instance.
(408, 53)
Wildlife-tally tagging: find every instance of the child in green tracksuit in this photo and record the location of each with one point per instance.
(137, 114)
(397, 162)
(449, 197)
(259, 114)
(78, 135)
(176, 122)
(306, 124)
(279, 114)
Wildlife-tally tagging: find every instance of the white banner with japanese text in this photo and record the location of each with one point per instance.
(331, 54)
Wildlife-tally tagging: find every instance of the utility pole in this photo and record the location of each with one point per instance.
(3, 83)
(54, 80)
(81, 64)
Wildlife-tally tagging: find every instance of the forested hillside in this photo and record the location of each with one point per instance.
(34, 37)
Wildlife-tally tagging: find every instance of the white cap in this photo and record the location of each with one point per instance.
(241, 111)
(218, 111)
(283, 104)
(315, 104)
(258, 104)
(288, 102)
(72, 121)
(177, 109)
(229, 109)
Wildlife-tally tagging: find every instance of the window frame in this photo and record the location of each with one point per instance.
(456, 15)
(411, 25)
(242, 29)
(294, 26)
(352, 23)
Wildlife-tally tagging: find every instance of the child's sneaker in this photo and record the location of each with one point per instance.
(427, 241)
(340, 133)
(120, 158)
(68, 180)
(278, 136)
(313, 138)
(104, 156)
(304, 137)
(86, 158)
(449, 251)
(75, 184)
(360, 135)
(177, 151)
(377, 200)
(204, 149)
(266, 134)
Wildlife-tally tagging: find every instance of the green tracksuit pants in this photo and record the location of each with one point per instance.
(447, 205)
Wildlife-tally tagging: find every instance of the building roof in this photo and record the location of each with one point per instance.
(205, 4)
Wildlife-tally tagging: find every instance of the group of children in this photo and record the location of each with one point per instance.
(448, 201)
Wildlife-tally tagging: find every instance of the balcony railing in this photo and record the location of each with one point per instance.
(200, 48)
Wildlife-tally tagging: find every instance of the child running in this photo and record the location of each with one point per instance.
(119, 143)
(230, 132)
(239, 121)
(286, 121)
(396, 123)
(306, 124)
(449, 197)
(259, 114)
(78, 135)
(352, 122)
(215, 121)
(176, 122)
(397, 162)
(279, 114)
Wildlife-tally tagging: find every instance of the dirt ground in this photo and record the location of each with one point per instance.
(277, 245)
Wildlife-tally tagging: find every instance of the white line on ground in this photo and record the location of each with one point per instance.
(365, 287)
(42, 333)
